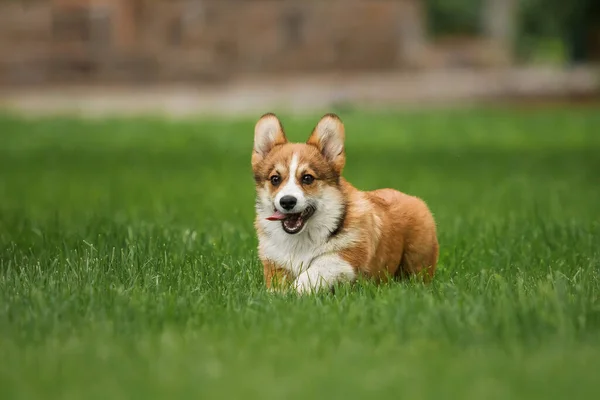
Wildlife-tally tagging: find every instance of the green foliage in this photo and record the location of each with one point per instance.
(454, 16)
(540, 23)
(128, 264)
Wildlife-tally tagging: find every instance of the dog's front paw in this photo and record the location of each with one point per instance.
(309, 283)
(302, 285)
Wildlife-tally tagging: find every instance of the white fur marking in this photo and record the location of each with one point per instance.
(291, 188)
(296, 252)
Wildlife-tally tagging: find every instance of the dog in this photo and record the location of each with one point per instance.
(315, 230)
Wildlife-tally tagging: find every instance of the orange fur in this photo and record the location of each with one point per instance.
(398, 236)
(275, 278)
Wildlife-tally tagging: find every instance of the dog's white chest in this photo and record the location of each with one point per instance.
(296, 253)
(293, 254)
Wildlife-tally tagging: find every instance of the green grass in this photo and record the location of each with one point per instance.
(129, 268)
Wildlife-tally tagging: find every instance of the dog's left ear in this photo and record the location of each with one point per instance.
(328, 136)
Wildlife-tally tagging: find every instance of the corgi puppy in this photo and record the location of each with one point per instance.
(315, 229)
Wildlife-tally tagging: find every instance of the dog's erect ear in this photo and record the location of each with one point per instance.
(328, 136)
(268, 133)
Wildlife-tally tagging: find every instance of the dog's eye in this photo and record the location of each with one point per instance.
(275, 180)
(307, 179)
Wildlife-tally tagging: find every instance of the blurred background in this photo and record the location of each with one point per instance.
(191, 56)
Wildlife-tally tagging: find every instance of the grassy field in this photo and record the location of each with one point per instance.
(129, 269)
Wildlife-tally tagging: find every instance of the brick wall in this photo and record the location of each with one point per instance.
(158, 40)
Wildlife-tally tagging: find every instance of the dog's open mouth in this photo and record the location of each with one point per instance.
(293, 223)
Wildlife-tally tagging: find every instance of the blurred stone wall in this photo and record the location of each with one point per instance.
(102, 41)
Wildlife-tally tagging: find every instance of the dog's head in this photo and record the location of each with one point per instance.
(298, 184)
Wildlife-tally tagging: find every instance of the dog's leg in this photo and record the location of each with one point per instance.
(323, 273)
(276, 278)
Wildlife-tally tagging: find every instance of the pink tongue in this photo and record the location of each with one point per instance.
(278, 216)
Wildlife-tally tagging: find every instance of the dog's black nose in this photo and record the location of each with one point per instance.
(288, 202)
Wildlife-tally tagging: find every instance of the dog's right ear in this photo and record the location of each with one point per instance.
(268, 133)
